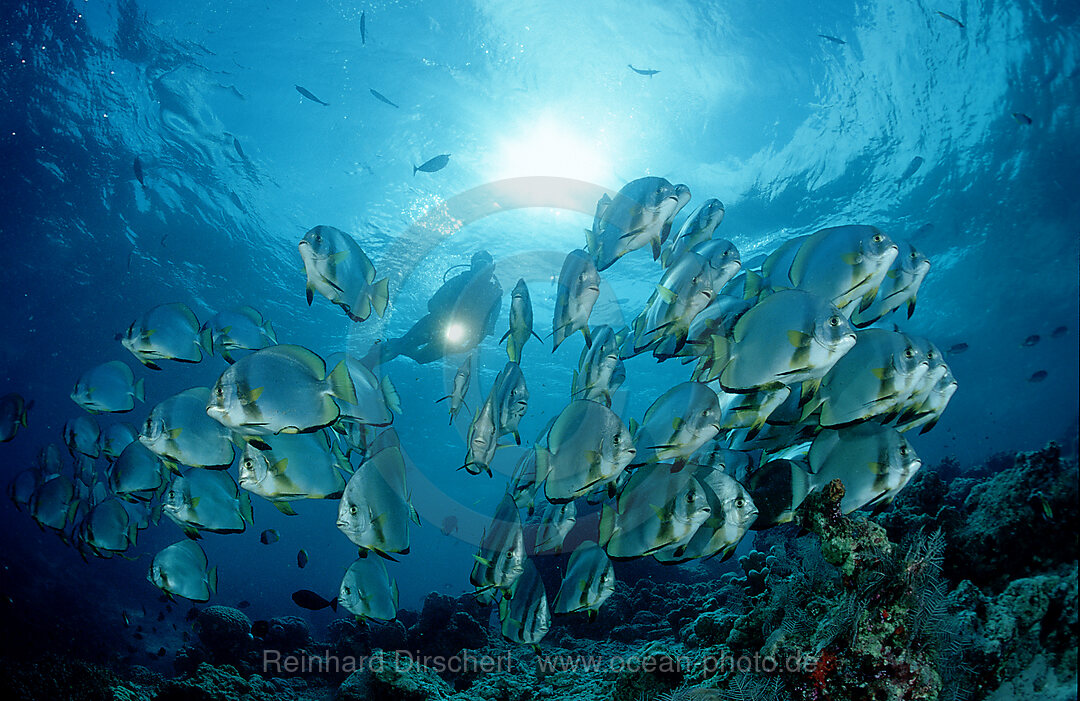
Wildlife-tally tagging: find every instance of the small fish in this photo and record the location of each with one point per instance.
(588, 582)
(137, 165)
(109, 387)
(1059, 332)
(579, 288)
(181, 570)
(239, 150)
(1030, 340)
(382, 98)
(374, 510)
(282, 388)
(656, 507)
(367, 590)
(524, 613)
(432, 165)
(449, 525)
(269, 536)
(587, 446)
(207, 500)
(640, 214)
(161, 652)
(83, 437)
(698, 228)
(306, 93)
(1021, 118)
(13, 410)
(911, 169)
(952, 19)
(643, 71)
(126, 618)
(873, 461)
(167, 331)
(363, 28)
(957, 348)
(833, 39)
(302, 466)
(521, 321)
(461, 387)
(243, 328)
(1038, 376)
(302, 559)
(243, 604)
(678, 423)
(338, 269)
(117, 437)
(501, 557)
(178, 429)
(558, 520)
(305, 598)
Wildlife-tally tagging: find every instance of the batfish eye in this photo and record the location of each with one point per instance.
(690, 497)
(914, 255)
(348, 590)
(705, 413)
(509, 555)
(219, 391)
(909, 353)
(834, 321)
(352, 510)
(740, 503)
(616, 439)
(247, 463)
(903, 450)
(878, 238)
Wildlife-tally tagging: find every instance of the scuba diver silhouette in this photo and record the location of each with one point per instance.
(461, 313)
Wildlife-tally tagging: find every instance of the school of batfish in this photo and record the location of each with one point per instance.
(790, 385)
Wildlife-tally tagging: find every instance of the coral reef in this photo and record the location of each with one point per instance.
(225, 632)
(447, 625)
(1019, 521)
(392, 677)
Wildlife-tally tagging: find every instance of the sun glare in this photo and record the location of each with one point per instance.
(546, 147)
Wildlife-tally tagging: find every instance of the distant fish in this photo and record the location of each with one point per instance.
(243, 604)
(449, 525)
(643, 71)
(305, 598)
(1059, 332)
(1021, 118)
(952, 19)
(363, 28)
(307, 93)
(139, 171)
(381, 98)
(239, 150)
(161, 652)
(269, 536)
(957, 349)
(1030, 340)
(834, 40)
(1038, 376)
(435, 164)
(127, 620)
(912, 167)
(302, 559)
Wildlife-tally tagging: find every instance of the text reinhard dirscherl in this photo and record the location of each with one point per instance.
(274, 662)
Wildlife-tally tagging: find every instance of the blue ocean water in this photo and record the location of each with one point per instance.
(792, 130)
